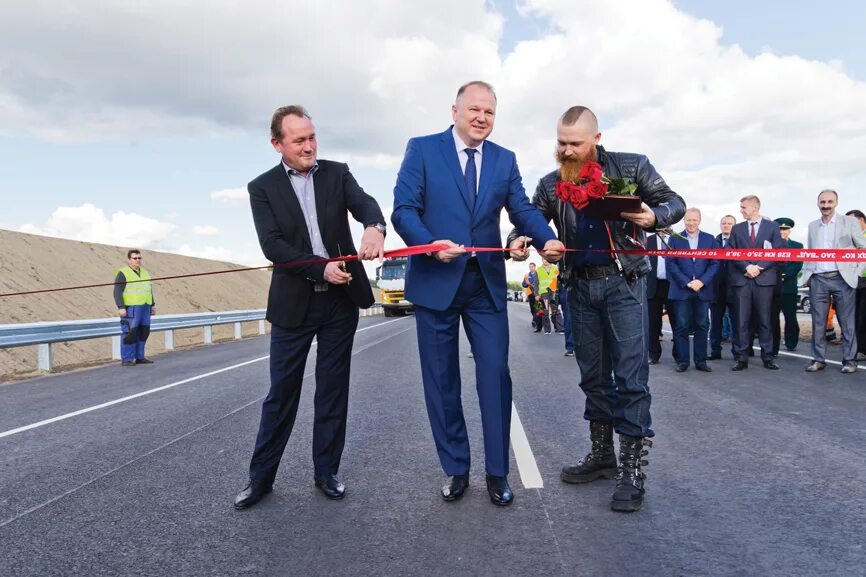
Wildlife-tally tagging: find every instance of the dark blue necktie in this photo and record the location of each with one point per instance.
(470, 173)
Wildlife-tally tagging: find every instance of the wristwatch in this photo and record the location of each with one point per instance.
(378, 226)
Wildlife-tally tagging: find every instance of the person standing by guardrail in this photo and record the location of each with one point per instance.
(133, 296)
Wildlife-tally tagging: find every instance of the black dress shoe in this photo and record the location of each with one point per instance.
(740, 366)
(143, 362)
(499, 491)
(653, 361)
(771, 364)
(456, 486)
(251, 495)
(704, 368)
(682, 368)
(128, 363)
(714, 357)
(331, 486)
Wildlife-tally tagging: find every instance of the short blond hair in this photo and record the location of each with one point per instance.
(753, 198)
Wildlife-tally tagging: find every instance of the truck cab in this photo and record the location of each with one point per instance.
(391, 280)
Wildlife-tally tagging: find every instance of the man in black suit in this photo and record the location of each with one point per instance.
(753, 281)
(722, 304)
(657, 296)
(299, 210)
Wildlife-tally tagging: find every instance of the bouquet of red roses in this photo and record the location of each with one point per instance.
(593, 184)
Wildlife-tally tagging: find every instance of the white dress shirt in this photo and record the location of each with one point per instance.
(826, 239)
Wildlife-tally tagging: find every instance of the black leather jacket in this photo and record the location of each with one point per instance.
(667, 205)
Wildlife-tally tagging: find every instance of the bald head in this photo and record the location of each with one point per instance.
(580, 116)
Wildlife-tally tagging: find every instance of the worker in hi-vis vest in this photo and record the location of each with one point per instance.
(133, 296)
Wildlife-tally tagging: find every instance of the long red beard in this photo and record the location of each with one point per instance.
(569, 167)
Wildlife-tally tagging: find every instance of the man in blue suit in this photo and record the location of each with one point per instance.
(752, 282)
(435, 201)
(692, 289)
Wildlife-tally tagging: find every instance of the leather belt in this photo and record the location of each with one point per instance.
(593, 272)
(828, 274)
(320, 287)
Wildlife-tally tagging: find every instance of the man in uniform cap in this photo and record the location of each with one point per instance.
(785, 296)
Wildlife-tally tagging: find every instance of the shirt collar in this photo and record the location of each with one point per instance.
(832, 221)
(290, 171)
(461, 146)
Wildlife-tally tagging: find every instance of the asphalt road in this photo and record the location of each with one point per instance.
(757, 473)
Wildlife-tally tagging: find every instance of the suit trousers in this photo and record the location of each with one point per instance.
(692, 315)
(821, 287)
(656, 307)
(752, 303)
(860, 317)
(438, 340)
(717, 318)
(785, 304)
(331, 319)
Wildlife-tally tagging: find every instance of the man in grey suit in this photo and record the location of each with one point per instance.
(752, 283)
(833, 278)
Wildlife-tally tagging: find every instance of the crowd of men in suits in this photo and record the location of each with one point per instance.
(702, 296)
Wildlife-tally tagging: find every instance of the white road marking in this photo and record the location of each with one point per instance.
(530, 476)
(156, 390)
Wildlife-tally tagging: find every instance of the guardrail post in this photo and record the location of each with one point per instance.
(237, 331)
(45, 359)
(208, 334)
(169, 340)
(261, 327)
(115, 347)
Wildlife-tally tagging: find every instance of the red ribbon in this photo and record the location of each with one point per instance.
(752, 254)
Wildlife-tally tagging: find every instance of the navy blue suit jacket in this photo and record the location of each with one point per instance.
(431, 202)
(769, 233)
(681, 271)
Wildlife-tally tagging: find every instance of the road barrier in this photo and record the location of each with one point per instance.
(44, 334)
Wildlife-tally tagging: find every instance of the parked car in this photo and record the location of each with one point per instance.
(804, 303)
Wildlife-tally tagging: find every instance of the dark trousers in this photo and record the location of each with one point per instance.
(656, 307)
(609, 323)
(785, 304)
(438, 340)
(860, 318)
(332, 319)
(692, 315)
(753, 304)
(566, 318)
(536, 321)
(717, 318)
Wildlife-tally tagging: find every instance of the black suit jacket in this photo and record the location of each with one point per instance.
(285, 239)
(768, 232)
(651, 279)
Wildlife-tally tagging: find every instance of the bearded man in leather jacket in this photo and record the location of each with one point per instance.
(607, 300)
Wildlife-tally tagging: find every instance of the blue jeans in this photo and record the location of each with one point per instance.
(609, 324)
(692, 315)
(566, 318)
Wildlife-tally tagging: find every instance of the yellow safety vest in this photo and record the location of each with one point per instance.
(137, 293)
(547, 280)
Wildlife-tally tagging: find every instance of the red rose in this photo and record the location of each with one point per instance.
(595, 189)
(579, 197)
(590, 171)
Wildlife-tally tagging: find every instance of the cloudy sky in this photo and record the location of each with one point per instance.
(140, 122)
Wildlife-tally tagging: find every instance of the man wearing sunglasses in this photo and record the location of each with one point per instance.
(133, 295)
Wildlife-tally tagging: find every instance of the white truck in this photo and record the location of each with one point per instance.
(391, 279)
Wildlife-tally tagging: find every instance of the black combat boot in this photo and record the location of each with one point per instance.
(628, 495)
(600, 463)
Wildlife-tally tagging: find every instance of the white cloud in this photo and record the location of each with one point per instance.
(718, 123)
(231, 195)
(89, 223)
(222, 254)
(206, 230)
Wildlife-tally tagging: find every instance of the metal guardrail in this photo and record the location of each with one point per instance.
(44, 334)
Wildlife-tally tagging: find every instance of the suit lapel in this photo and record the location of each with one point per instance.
(449, 152)
(285, 196)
